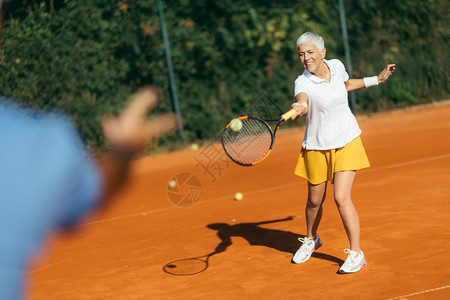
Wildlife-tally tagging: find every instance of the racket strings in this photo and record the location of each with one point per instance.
(251, 143)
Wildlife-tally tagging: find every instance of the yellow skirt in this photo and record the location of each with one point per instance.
(318, 166)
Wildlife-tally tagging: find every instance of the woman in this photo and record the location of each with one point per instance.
(331, 149)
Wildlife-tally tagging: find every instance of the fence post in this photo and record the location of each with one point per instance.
(348, 59)
(173, 87)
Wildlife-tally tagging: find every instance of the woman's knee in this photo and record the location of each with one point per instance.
(314, 202)
(316, 198)
(316, 195)
(342, 198)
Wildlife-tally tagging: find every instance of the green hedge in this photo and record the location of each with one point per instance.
(85, 57)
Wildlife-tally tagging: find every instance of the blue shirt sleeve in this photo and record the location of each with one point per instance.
(47, 180)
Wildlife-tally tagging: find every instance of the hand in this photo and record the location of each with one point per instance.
(131, 131)
(384, 75)
(300, 108)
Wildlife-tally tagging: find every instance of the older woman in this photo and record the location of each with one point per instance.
(331, 149)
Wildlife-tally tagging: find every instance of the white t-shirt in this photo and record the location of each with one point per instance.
(330, 123)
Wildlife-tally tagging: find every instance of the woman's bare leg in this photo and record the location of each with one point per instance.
(343, 182)
(313, 211)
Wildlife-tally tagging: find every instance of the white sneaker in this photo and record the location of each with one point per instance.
(354, 262)
(304, 252)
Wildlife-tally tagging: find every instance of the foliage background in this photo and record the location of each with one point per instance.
(86, 57)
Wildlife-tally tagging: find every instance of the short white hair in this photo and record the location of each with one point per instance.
(314, 38)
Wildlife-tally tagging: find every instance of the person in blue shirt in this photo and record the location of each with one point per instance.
(48, 180)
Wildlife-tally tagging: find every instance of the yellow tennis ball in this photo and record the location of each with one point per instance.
(238, 196)
(172, 184)
(236, 125)
(194, 147)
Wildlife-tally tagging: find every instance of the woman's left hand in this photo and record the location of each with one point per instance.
(384, 75)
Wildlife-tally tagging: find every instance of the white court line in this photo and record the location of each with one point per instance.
(420, 293)
(142, 214)
(406, 163)
(371, 169)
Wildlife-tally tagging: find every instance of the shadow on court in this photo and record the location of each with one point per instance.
(283, 241)
(280, 240)
(328, 257)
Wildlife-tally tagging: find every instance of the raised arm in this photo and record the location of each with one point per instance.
(129, 134)
(356, 84)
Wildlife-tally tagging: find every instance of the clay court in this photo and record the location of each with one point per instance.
(403, 201)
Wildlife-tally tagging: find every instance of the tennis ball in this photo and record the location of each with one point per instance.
(238, 196)
(172, 184)
(236, 125)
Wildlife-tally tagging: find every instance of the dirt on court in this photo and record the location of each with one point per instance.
(403, 202)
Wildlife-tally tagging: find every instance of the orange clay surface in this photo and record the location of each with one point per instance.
(402, 200)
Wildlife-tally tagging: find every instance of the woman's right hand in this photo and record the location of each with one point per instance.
(301, 106)
(301, 109)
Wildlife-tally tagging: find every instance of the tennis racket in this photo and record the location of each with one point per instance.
(253, 142)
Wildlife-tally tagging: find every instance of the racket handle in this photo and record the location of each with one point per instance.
(288, 114)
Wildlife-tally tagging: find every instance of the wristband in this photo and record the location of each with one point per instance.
(304, 104)
(370, 81)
